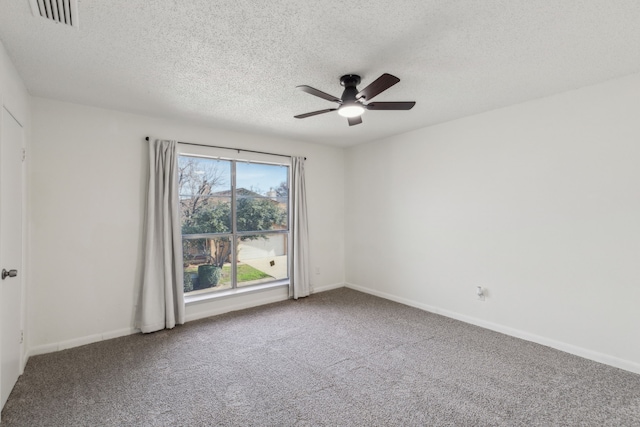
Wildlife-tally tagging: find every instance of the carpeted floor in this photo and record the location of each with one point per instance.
(338, 358)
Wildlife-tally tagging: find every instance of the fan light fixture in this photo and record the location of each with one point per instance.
(350, 110)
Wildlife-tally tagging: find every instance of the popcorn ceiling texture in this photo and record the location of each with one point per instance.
(235, 64)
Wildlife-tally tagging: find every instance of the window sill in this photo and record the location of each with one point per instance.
(194, 299)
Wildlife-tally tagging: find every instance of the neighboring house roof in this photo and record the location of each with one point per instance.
(225, 195)
(243, 192)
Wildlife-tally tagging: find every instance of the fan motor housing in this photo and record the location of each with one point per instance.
(349, 81)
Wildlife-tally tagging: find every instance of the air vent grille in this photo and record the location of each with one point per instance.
(59, 11)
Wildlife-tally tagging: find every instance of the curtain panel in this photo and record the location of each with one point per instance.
(300, 282)
(161, 302)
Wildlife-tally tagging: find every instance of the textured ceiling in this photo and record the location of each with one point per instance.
(234, 64)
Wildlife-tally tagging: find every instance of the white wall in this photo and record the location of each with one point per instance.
(538, 202)
(15, 98)
(13, 92)
(89, 172)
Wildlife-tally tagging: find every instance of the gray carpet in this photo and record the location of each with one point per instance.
(338, 358)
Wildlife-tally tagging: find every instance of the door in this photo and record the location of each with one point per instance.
(11, 157)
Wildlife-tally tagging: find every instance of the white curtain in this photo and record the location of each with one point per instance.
(300, 286)
(161, 302)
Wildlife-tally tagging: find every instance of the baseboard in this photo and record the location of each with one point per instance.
(254, 303)
(324, 288)
(578, 351)
(616, 362)
(77, 342)
(241, 306)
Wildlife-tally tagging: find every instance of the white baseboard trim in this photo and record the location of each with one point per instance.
(77, 342)
(324, 288)
(89, 339)
(254, 303)
(616, 362)
(240, 306)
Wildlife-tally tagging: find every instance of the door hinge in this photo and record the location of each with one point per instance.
(21, 337)
(24, 154)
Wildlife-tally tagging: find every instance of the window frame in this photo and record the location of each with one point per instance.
(234, 235)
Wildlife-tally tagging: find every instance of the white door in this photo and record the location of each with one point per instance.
(11, 157)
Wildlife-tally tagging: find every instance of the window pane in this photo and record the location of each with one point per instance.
(262, 197)
(207, 263)
(262, 258)
(205, 195)
(214, 252)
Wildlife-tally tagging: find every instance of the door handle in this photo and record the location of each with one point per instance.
(10, 273)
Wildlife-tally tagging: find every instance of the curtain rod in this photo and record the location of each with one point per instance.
(229, 148)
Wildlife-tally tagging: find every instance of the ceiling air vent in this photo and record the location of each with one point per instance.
(59, 11)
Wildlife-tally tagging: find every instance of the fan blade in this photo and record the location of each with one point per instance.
(314, 113)
(354, 120)
(381, 84)
(390, 106)
(319, 93)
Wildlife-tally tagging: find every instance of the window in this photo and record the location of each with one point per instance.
(235, 222)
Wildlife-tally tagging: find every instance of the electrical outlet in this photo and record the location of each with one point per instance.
(317, 270)
(480, 292)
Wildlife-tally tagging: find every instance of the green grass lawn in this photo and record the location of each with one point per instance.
(246, 273)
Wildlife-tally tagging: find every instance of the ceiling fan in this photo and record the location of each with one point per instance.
(354, 102)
